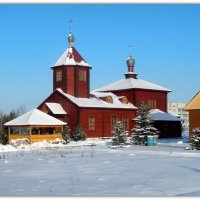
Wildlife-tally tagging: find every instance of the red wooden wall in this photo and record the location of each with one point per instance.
(103, 120)
(70, 83)
(72, 117)
(76, 115)
(136, 96)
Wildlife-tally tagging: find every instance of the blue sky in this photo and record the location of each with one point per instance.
(165, 39)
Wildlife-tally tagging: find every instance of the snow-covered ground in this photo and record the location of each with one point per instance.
(92, 168)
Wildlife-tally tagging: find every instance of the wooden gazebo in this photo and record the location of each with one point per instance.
(35, 125)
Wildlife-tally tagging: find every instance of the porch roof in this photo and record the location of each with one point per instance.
(56, 108)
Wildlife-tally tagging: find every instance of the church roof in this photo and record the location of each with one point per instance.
(35, 117)
(71, 57)
(194, 103)
(131, 83)
(95, 102)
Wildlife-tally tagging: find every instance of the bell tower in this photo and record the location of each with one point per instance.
(71, 72)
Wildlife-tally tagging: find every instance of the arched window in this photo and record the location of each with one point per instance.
(109, 99)
(91, 123)
(125, 100)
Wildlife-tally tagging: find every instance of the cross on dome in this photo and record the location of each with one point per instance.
(130, 61)
(130, 64)
(71, 37)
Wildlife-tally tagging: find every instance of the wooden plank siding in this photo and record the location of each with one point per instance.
(136, 96)
(103, 120)
(194, 120)
(36, 138)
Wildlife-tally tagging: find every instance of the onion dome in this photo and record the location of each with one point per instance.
(71, 40)
(130, 61)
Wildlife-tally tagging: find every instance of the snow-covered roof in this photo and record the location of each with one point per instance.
(96, 102)
(56, 108)
(103, 94)
(35, 117)
(131, 83)
(158, 115)
(173, 113)
(71, 57)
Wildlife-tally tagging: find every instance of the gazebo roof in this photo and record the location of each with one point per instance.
(56, 108)
(35, 117)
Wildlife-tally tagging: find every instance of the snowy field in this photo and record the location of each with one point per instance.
(94, 169)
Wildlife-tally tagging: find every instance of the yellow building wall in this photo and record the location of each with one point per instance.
(194, 120)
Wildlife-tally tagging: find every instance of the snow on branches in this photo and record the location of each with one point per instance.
(119, 133)
(79, 134)
(195, 139)
(144, 126)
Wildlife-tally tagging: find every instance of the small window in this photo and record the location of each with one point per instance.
(59, 75)
(109, 99)
(82, 75)
(151, 104)
(91, 123)
(125, 100)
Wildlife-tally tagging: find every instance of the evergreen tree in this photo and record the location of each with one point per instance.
(195, 139)
(3, 137)
(79, 134)
(119, 133)
(5, 118)
(66, 134)
(143, 126)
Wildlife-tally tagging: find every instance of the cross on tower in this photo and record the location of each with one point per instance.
(130, 49)
(70, 25)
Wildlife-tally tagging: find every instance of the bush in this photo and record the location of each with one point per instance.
(195, 139)
(4, 138)
(19, 142)
(139, 139)
(66, 134)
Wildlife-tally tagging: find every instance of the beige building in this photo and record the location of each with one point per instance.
(177, 109)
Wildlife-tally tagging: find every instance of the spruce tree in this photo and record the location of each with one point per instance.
(144, 126)
(66, 134)
(119, 133)
(79, 134)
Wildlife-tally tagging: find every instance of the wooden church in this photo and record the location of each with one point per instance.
(97, 111)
